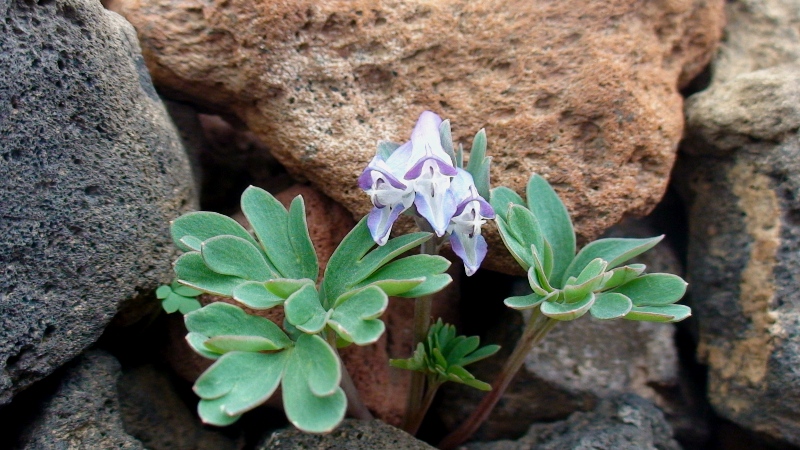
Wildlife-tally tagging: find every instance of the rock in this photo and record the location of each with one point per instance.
(745, 249)
(585, 94)
(84, 412)
(153, 412)
(578, 363)
(351, 435)
(760, 34)
(91, 172)
(625, 422)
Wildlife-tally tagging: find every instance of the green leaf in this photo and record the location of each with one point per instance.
(254, 294)
(211, 413)
(230, 255)
(460, 156)
(184, 291)
(270, 222)
(240, 381)
(171, 303)
(622, 275)
(386, 148)
(446, 139)
(192, 271)
(568, 311)
(501, 198)
(225, 344)
(526, 301)
(163, 292)
(611, 306)
(285, 287)
(589, 280)
(479, 164)
(312, 398)
(355, 319)
(669, 313)
(306, 256)
(479, 354)
(197, 342)
(520, 253)
(189, 230)
(431, 285)
(614, 250)
(654, 289)
(188, 305)
(411, 269)
(304, 311)
(352, 261)
(525, 228)
(222, 319)
(554, 221)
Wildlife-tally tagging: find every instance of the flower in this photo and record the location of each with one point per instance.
(421, 173)
(465, 226)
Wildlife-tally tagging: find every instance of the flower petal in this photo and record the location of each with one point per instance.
(471, 250)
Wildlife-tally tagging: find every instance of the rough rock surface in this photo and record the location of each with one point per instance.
(84, 412)
(745, 247)
(578, 363)
(153, 412)
(91, 171)
(351, 435)
(584, 93)
(742, 183)
(625, 422)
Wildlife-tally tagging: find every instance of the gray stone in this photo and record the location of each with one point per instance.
(744, 248)
(626, 422)
(578, 363)
(91, 171)
(84, 411)
(350, 435)
(759, 34)
(152, 412)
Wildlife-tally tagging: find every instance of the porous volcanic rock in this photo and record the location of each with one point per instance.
(624, 422)
(742, 182)
(84, 412)
(91, 172)
(351, 435)
(585, 93)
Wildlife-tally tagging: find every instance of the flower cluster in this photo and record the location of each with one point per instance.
(420, 176)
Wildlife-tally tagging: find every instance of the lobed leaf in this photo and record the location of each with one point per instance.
(520, 253)
(304, 311)
(386, 148)
(307, 264)
(412, 270)
(668, 313)
(355, 318)
(554, 220)
(191, 229)
(568, 311)
(312, 398)
(622, 275)
(230, 255)
(254, 294)
(654, 289)
(501, 198)
(527, 301)
(239, 382)
(614, 250)
(446, 139)
(611, 305)
(192, 271)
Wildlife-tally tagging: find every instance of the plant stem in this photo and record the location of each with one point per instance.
(355, 407)
(535, 330)
(422, 321)
(430, 392)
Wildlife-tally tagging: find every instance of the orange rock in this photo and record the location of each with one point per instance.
(584, 93)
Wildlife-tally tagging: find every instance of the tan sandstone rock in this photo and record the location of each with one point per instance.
(585, 93)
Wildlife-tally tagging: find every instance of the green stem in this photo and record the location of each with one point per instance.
(430, 392)
(536, 329)
(355, 407)
(422, 321)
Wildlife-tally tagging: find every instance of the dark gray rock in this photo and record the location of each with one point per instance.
(626, 422)
(91, 171)
(350, 435)
(153, 413)
(84, 411)
(742, 182)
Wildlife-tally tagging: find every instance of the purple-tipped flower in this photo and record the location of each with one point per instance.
(465, 226)
(422, 174)
(389, 195)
